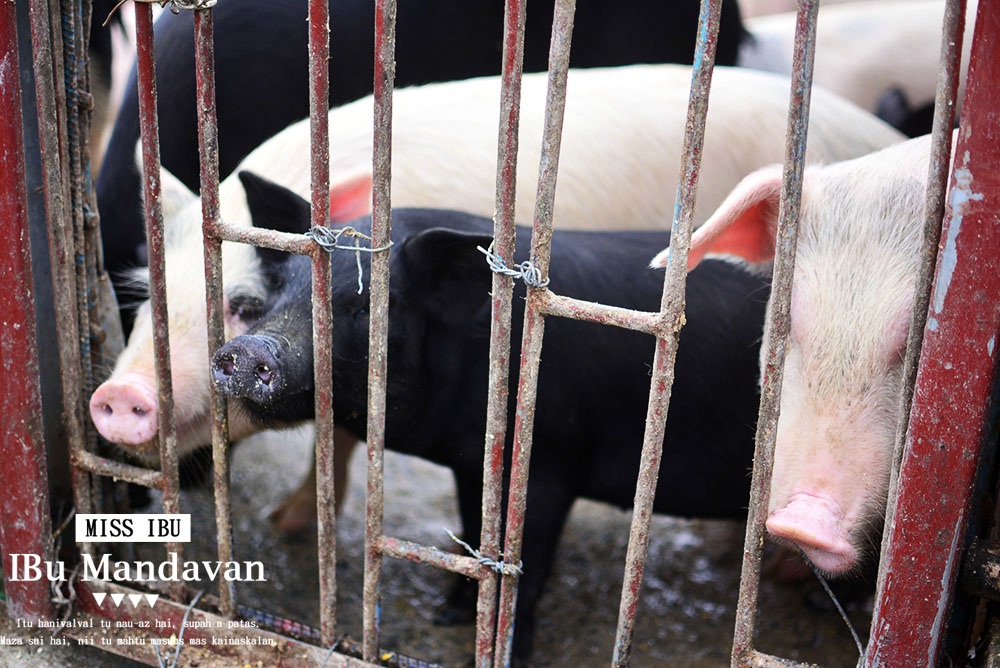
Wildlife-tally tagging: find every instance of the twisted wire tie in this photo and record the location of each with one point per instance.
(175, 6)
(500, 567)
(527, 270)
(329, 240)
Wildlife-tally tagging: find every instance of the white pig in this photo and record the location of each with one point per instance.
(620, 157)
(852, 296)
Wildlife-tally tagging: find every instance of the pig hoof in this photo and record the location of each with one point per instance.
(292, 515)
(460, 608)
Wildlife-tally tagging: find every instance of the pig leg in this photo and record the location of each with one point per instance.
(298, 510)
(460, 605)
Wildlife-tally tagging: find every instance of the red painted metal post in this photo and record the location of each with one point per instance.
(319, 105)
(954, 387)
(25, 526)
(378, 331)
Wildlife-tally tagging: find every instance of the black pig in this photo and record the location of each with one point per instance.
(593, 381)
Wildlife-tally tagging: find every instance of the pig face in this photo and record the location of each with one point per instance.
(124, 408)
(852, 293)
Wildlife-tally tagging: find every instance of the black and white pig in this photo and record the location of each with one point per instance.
(593, 382)
(852, 297)
(262, 75)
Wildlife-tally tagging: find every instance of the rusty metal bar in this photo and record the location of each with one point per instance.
(25, 525)
(88, 461)
(208, 150)
(504, 233)
(404, 549)
(550, 303)
(534, 321)
(257, 236)
(952, 33)
(672, 310)
(385, 72)
(157, 278)
(778, 317)
(61, 251)
(319, 105)
(953, 394)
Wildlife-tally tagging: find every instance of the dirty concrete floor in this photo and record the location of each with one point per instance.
(686, 614)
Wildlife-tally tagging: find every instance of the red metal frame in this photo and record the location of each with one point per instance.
(954, 387)
(25, 526)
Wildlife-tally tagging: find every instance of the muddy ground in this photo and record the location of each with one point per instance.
(685, 617)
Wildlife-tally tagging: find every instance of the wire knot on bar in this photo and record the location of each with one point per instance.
(500, 567)
(175, 6)
(527, 270)
(329, 240)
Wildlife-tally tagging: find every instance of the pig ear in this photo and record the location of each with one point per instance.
(351, 198)
(452, 278)
(744, 225)
(174, 195)
(274, 207)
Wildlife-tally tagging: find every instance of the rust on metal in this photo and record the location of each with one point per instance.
(534, 322)
(953, 394)
(208, 151)
(504, 232)
(88, 461)
(25, 525)
(672, 310)
(952, 33)
(319, 105)
(157, 279)
(779, 321)
(385, 72)
(655, 323)
(404, 549)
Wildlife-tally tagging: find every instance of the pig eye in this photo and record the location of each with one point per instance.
(246, 308)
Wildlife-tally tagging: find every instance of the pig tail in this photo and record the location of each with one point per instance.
(527, 270)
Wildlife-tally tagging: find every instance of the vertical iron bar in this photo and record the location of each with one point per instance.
(25, 526)
(319, 105)
(534, 321)
(157, 278)
(955, 386)
(952, 33)
(672, 308)
(504, 234)
(208, 150)
(63, 273)
(385, 49)
(778, 317)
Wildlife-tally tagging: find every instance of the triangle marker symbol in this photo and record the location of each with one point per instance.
(136, 599)
(99, 597)
(152, 598)
(118, 598)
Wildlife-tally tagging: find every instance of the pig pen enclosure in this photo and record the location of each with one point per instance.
(938, 571)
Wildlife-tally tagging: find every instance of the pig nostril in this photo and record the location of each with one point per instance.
(138, 411)
(107, 410)
(227, 366)
(264, 373)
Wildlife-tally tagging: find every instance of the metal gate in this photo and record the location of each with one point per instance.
(926, 528)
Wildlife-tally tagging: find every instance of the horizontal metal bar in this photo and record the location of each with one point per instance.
(281, 241)
(549, 303)
(432, 556)
(755, 659)
(137, 475)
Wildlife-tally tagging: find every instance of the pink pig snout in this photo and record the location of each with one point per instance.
(815, 525)
(124, 410)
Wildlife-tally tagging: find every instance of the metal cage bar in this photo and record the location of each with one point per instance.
(208, 150)
(504, 234)
(378, 329)
(954, 387)
(149, 127)
(778, 316)
(25, 526)
(319, 104)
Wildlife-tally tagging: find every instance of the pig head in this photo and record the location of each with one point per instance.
(852, 293)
